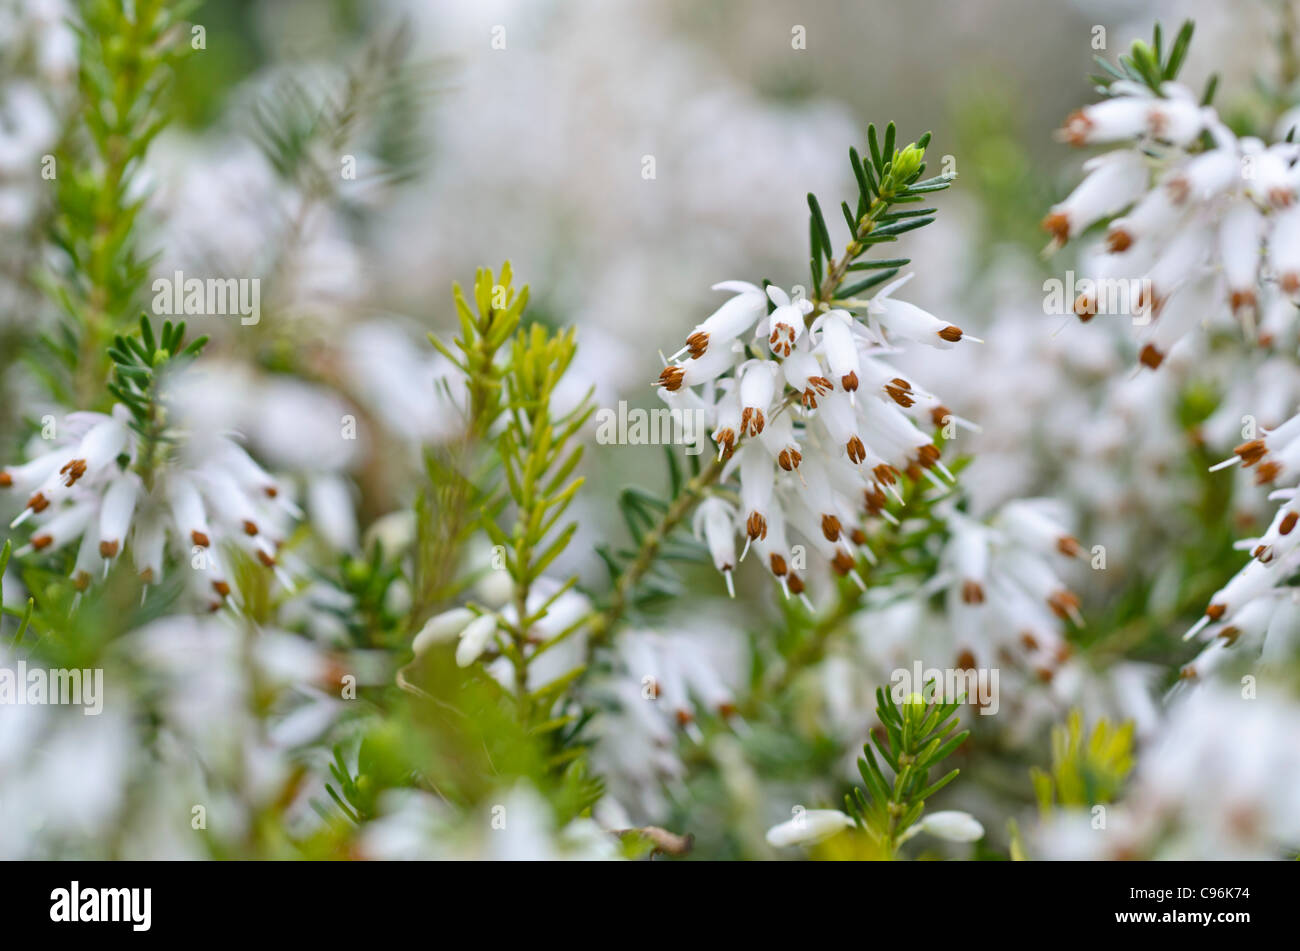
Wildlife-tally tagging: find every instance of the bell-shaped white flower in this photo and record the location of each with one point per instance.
(808, 827)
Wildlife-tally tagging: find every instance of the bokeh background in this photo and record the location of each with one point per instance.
(523, 131)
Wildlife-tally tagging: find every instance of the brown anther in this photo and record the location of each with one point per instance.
(831, 528)
(698, 344)
(109, 549)
(842, 562)
(6, 480)
(972, 592)
(1230, 634)
(271, 491)
(849, 382)
(1045, 674)
(927, 455)
(265, 558)
(777, 563)
(913, 471)
(965, 660)
(38, 503)
(74, 470)
(1029, 641)
(1063, 603)
(1242, 299)
(1288, 523)
(1085, 307)
(857, 451)
(1290, 282)
(874, 500)
(857, 536)
(950, 333)
(1216, 611)
(684, 718)
(1076, 128)
(81, 580)
(250, 528)
(885, 474)
(1057, 224)
(221, 587)
(1118, 240)
(789, 459)
(1267, 472)
(1251, 452)
(901, 397)
(146, 576)
(756, 525)
(1068, 546)
(40, 542)
(1151, 357)
(794, 583)
(200, 539)
(670, 379)
(1187, 673)
(940, 415)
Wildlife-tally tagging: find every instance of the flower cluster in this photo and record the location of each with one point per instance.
(812, 422)
(1208, 222)
(1004, 598)
(1256, 611)
(94, 489)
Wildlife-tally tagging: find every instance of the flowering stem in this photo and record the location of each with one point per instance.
(839, 269)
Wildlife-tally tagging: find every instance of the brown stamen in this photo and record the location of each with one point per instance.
(670, 379)
(1151, 357)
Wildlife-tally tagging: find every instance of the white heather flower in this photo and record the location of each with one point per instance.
(475, 638)
(715, 519)
(442, 628)
(702, 369)
(808, 827)
(757, 388)
(785, 325)
(729, 321)
(952, 825)
(1114, 181)
(840, 347)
